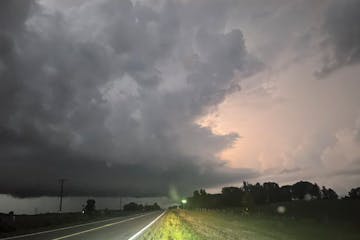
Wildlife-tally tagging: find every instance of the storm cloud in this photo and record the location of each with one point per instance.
(147, 97)
(107, 94)
(342, 35)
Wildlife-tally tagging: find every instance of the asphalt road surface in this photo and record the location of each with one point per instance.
(121, 228)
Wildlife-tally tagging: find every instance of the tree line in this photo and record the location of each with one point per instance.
(132, 206)
(268, 192)
(90, 209)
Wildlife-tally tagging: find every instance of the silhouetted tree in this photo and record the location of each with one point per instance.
(248, 200)
(269, 192)
(328, 194)
(156, 206)
(211, 201)
(272, 191)
(315, 191)
(201, 199)
(202, 192)
(196, 194)
(302, 189)
(258, 193)
(133, 207)
(354, 193)
(246, 186)
(90, 206)
(285, 193)
(232, 196)
(152, 207)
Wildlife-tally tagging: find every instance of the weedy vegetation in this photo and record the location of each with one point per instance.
(293, 222)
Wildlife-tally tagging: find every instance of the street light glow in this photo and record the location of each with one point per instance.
(184, 201)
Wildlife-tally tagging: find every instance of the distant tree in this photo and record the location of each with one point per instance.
(202, 192)
(194, 201)
(201, 199)
(152, 207)
(269, 192)
(285, 193)
(332, 194)
(302, 189)
(156, 206)
(210, 201)
(328, 194)
(315, 191)
(133, 207)
(196, 194)
(232, 196)
(90, 206)
(272, 191)
(256, 191)
(354, 193)
(248, 200)
(324, 193)
(246, 186)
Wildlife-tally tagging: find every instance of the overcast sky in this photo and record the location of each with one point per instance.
(143, 98)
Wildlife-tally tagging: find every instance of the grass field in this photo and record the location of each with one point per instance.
(257, 225)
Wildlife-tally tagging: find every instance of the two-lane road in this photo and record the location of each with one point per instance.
(121, 228)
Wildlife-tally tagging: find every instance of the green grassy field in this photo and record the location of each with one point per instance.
(259, 224)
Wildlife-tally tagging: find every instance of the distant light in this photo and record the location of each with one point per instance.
(281, 209)
(184, 201)
(307, 197)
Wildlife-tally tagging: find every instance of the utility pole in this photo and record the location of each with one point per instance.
(61, 192)
(120, 203)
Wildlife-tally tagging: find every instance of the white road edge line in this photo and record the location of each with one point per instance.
(104, 226)
(66, 228)
(136, 235)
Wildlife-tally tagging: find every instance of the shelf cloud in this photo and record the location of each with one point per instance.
(107, 93)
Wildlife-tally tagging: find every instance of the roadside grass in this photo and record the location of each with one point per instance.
(225, 225)
(171, 227)
(319, 210)
(302, 221)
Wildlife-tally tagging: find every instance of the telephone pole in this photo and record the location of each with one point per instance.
(62, 180)
(120, 202)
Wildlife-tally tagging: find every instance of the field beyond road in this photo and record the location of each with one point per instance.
(235, 224)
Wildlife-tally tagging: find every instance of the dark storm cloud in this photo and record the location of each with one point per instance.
(87, 95)
(31, 166)
(342, 31)
(14, 14)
